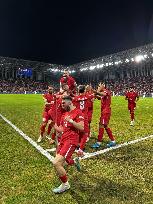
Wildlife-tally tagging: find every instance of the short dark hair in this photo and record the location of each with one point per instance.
(69, 98)
(102, 83)
(82, 89)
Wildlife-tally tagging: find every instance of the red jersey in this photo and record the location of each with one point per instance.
(69, 131)
(82, 103)
(57, 111)
(50, 99)
(131, 96)
(91, 97)
(70, 82)
(106, 102)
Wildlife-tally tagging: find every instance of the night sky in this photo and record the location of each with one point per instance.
(68, 32)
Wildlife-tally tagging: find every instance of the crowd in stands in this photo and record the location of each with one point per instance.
(144, 85)
(22, 86)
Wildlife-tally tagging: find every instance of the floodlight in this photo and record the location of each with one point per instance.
(139, 58)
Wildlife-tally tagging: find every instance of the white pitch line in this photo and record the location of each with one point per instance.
(88, 155)
(51, 150)
(33, 143)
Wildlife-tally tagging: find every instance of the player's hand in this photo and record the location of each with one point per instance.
(55, 126)
(46, 103)
(94, 91)
(58, 128)
(67, 118)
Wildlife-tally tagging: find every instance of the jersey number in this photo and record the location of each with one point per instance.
(81, 105)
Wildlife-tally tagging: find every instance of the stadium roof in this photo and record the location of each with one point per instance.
(135, 55)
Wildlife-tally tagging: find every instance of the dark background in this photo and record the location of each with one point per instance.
(68, 32)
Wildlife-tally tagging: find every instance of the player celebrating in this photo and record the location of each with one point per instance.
(49, 99)
(69, 80)
(57, 111)
(105, 96)
(91, 97)
(71, 122)
(132, 97)
(81, 101)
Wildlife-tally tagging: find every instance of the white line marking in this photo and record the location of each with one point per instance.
(51, 150)
(88, 155)
(33, 143)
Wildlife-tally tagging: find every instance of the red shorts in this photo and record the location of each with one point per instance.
(46, 116)
(66, 149)
(104, 119)
(131, 107)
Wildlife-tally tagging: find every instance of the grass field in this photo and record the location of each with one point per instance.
(122, 176)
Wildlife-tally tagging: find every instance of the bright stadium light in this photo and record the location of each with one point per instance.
(139, 58)
(145, 56)
(106, 64)
(127, 60)
(116, 62)
(73, 71)
(132, 59)
(83, 69)
(98, 66)
(92, 67)
(101, 65)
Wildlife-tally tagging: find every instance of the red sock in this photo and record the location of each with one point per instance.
(63, 178)
(83, 141)
(53, 136)
(70, 161)
(109, 132)
(132, 115)
(49, 129)
(100, 135)
(42, 129)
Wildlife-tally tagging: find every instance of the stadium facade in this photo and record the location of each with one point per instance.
(129, 63)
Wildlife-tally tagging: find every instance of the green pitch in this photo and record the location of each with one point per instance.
(122, 176)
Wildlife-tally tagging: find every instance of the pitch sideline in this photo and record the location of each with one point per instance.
(26, 137)
(86, 156)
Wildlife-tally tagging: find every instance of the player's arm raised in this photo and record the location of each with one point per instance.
(101, 93)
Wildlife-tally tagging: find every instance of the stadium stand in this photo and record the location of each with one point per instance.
(118, 71)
